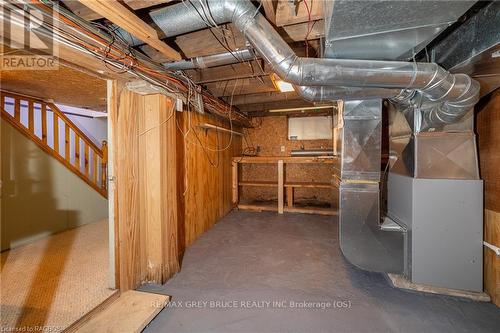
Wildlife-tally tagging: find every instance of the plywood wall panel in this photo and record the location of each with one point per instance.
(206, 174)
(488, 132)
(270, 134)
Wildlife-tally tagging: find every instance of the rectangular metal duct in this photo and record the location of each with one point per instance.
(386, 30)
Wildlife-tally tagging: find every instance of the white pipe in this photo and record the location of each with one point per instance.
(492, 247)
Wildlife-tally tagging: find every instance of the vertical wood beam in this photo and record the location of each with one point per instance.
(113, 99)
(127, 188)
(157, 187)
(168, 143)
(280, 187)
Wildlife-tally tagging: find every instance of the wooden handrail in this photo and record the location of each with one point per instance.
(96, 176)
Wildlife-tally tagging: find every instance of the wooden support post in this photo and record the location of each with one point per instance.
(77, 151)
(66, 142)
(104, 164)
(31, 117)
(56, 132)
(280, 187)
(44, 123)
(289, 196)
(235, 198)
(157, 188)
(86, 161)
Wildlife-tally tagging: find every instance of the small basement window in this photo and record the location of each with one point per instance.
(310, 128)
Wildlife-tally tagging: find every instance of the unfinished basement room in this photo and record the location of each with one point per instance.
(250, 166)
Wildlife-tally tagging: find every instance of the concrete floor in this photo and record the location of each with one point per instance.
(264, 257)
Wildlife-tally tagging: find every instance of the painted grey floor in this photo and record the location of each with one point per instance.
(264, 257)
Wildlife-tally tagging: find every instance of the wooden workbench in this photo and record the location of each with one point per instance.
(281, 184)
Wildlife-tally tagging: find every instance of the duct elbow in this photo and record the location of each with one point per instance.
(461, 97)
(310, 94)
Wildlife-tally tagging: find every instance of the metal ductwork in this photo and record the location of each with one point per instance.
(214, 60)
(331, 93)
(448, 96)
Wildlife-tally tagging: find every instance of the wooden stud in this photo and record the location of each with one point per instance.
(56, 132)
(67, 142)
(44, 123)
(127, 182)
(289, 196)
(2, 101)
(77, 151)
(86, 161)
(31, 117)
(280, 187)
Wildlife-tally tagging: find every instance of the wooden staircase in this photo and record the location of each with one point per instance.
(64, 141)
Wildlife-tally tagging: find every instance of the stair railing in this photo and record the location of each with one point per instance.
(46, 125)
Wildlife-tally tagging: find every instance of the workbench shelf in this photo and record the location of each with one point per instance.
(281, 185)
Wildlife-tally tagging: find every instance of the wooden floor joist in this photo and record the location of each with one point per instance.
(121, 16)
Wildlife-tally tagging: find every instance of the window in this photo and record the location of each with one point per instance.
(310, 128)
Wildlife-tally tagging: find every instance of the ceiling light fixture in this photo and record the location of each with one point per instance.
(281, 85)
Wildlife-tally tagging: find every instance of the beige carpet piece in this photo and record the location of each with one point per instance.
(54, 281)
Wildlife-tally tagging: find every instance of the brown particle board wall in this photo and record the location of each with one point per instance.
(204, 175)
(488, 131)
(270, 133)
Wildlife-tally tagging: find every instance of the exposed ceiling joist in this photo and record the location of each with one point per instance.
(299, 32)
(261, 107)
(265, 97)
(230, 72)
(88, 14)
(121, 16)
(241, 87)
(293, 12)
(211, 41)
(270, 10)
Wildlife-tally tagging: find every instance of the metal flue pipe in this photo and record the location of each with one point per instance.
(450, 96)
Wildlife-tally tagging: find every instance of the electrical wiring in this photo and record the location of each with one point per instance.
(309, 27)
(114, 51)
